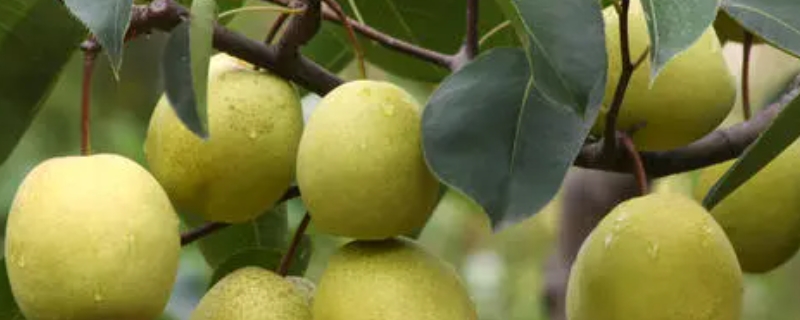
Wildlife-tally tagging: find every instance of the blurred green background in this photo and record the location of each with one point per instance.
(504, 271)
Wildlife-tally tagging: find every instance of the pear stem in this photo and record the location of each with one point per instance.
(747, 45)
(276, 26)
(202, 232)
(288, 257)
(636, 162)
(609, 144)
(86, 101)
(351, 35)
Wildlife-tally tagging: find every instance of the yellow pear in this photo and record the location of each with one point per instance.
(91, 238)
(657, 257)
(255, 122)
(360, 166)
(392, 279)
(253, 293)
(762, 216)
(689, 98)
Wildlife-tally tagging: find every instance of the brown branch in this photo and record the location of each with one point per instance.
(469, 50)
(288, 257)
(718, 146)
(201, 232)
(609, 145)
(746, 48)
(385, 40)
(301, 29)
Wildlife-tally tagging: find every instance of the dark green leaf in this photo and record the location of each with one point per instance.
(330, 48)
(268, 259)
(8, 308)
(489, 133)
(178, 81)
(781, 133)
(776, 21)
(565, 42)
(674, 26)
(37, 38)
(267, 231)
(108, 20)
(437, 25)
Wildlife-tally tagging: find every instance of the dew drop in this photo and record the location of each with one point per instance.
(21, 261)
(362, 146)
(652, 250)
(252, 134)
(388, 110)
(609, 238)
(98, 297)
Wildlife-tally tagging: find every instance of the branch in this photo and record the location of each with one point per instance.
(385, 40)
(166, 14)
(609, 145)
(201, 232)
(718, 146)
(288, 257)
(469, 50)
(301, 29)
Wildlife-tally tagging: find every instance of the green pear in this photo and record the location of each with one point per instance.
(690, 97)
(360, 166)
(657, 257)
(392, 279)
(762, 216)
(253, 293)
(91, 238)
(255, 122)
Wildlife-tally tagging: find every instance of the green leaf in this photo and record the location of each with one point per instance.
(437, 25)
(268, 259)
(267, 231)
(37, 38)
(674, 26)
(330, 48)
(179, 81)
(776, 21)
(565, 44)
(8, 308)
(781, 133)
(108, 20)
(490, 134)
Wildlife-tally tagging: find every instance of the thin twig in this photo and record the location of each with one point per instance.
(89, 58)
(636, 161)
(288, 257)
(746, 48)
(471, 39)
(276, 26)
(434, 57)
(493, 31)
(282, 10)
(609, 145)
(201, 232)
(351, 35)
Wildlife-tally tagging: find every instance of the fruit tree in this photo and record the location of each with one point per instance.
(399, 159)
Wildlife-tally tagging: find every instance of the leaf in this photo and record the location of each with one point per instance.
(37, 38)
(8, 308)
(490, 134)
(179, 81)
(108, 20)
(268, 259)
(330, 48)
(674, 26)
(776, 21)
(267, 231)
(565, 44)
(437, 25)
(782, 132)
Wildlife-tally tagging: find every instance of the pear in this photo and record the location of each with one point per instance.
(360, 166)
(658, 257)
(91, 238)
(690, 97)
(253, 293)
(247, 163)
(762, 216)
(392, 279)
